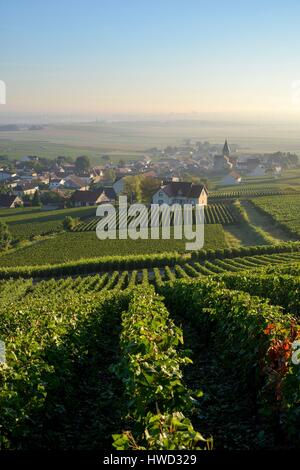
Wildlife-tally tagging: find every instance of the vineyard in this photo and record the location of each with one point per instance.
(93, 343)
(249, 256)
(214, 214)
(71, 246)
(27, 222)
(249, 192)
(283, 211)
(145, 346)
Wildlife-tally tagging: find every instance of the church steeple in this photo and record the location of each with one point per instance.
(226, 149)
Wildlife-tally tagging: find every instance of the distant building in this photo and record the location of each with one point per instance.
(242, 165)
(277, 169)
(119, 185)
(10, 202)
(25, 189)
(181, 193)
(6, 175)
(259, 170)
(30, 159)
(149, 174)
(222, 162)
(76, 182)
(92, 198)
(69, 168)
(226, 149)
(110, 194)
(27, 175)
(231, 179)
(56, 183)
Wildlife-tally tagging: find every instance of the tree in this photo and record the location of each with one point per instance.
(148, 186)
(5, 236)
(52, 197)
(132, 188)
(109, 174)
(3, 189)
(36, 200)
(105, 158)
(70, 222)
(82, 164)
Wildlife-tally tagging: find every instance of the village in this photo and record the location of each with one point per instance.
(182, 174)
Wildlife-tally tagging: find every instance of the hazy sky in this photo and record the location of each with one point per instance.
(151, 56)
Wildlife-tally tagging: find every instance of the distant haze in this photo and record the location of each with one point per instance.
(137, 136)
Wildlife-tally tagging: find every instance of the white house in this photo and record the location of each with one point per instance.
(277, 169)
(231, 179)
(180, 193)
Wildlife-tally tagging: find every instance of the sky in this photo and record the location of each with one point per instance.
(193, 57)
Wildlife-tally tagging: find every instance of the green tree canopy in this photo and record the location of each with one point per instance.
(148, 187)
(36, 200)
(82, 164)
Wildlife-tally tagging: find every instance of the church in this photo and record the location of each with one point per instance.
(222, 162)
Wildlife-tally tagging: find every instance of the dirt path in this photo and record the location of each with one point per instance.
(238, 235)
(263, 221)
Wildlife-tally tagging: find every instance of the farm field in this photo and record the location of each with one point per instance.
(120, 137)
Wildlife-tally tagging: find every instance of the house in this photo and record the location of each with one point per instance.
(221, 162)
(242, 165)
(252, 164)
(123, 171)
(119, 185)
(30, 158)
(6, 175)
(110, 194)
(149, 174)
(231, 179)
(277, 169)
(96, 175)
(9, 201)
(56, 183)
(28, 175)
(259, 170)
(44, 178)
(181, 193)
(25, 189)
(69, 168)
(78, 183)
(92, 198)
